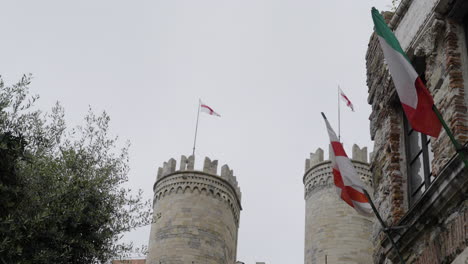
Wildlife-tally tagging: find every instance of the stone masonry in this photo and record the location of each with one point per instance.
(195, 215)
(334, 231)
(433, 31)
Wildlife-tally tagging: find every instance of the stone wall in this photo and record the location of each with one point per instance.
(334, 231)
(445, 243)
(129, 261)
(195, 215)
(427, 29)
(386, 129)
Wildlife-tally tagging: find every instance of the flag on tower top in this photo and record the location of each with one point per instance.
(346, 100)
(348, 184)
(207, 109)
(416, 100)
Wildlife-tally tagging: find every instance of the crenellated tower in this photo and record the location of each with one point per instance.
(195, 214)
(334, 231)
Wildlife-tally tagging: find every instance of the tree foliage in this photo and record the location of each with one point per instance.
(61, 193)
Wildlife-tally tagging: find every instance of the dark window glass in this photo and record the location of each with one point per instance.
(465, 23)
(415, 144)
(417, 173)
(419, 157)
(430, 153)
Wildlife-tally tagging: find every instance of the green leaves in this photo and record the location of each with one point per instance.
(61, 199)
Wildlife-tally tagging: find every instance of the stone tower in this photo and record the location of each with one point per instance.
(334, 231)
(195, 214)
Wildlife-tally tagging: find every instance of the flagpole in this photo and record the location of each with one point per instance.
(386, 229)
(457, 145)
(196, 128)
(339, 121)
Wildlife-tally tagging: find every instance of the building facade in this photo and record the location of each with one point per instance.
(334, 231)
(129, 261)
(420, 184)
(195, 214)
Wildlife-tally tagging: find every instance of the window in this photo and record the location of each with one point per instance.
(418, 149)
(465, 25)
(419, 157)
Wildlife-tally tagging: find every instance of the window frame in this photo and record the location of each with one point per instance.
(414, 192)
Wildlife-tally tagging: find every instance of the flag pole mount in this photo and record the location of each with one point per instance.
(386, 228)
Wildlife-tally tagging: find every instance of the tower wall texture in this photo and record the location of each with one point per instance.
(334, 231)
(195, 215)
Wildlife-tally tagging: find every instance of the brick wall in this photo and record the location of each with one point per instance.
(450, 97)
(386, 131)
(441, 41)
(446, 242)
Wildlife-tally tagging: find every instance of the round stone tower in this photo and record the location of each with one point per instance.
(195, 215)
(334, 231)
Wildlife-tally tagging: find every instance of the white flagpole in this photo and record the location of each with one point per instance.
(196, 128)
(339, 121)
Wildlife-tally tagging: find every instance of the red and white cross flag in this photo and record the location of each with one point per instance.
(348, 184)
(346, 100)
(207, 109)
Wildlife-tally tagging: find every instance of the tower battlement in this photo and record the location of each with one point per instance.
(196, 213)
(359, 154)
(187, 164)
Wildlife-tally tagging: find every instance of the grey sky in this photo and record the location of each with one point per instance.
(268, 67)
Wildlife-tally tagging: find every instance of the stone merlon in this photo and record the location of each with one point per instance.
(209, 167)
(358, 154)
(315, 158)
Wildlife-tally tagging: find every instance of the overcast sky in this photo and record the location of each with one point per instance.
(269, 67)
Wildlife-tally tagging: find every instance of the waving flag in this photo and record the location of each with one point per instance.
(416, 100)
(207, 109)
(349, 185)
(201, 108)
(346, 100)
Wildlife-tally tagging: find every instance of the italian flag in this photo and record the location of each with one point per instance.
(416, 100)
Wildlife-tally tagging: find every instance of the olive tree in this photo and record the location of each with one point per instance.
(62, 198)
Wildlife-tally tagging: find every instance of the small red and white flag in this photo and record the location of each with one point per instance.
(415, 99)
(207, 109)
(348, 184)
(346, 100)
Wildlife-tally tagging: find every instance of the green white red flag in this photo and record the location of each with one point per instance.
(348, 184)
(416, 100)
